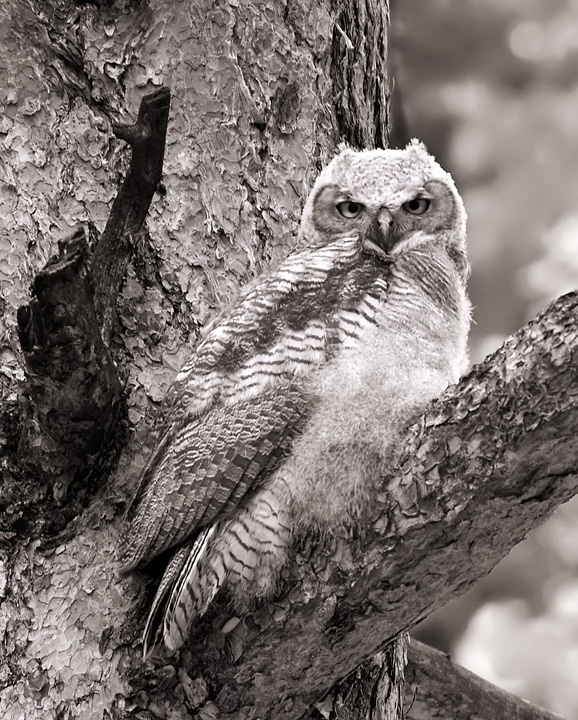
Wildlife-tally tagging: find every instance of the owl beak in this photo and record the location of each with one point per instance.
(379, 237)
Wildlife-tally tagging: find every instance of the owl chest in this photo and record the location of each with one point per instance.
(290, 339)
(306, 341)
(427, 314)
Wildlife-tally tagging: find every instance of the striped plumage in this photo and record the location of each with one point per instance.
(308, 352)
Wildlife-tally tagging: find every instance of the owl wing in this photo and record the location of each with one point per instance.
(239, 402)
(202, 470)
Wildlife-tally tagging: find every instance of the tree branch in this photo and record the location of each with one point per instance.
(483, 465)
(435, 688)
(147, 139)
(438, 688)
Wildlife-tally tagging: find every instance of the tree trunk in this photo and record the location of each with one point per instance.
(260, 95)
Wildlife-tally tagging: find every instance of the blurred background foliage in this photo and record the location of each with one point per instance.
(491, 86)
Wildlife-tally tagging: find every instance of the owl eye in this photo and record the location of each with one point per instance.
(349, 209)
(417, 206)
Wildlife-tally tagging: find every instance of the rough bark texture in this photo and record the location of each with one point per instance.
(437, 688)
(361, 86)
(373, 691)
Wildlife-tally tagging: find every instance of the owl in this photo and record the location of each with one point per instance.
(279, 424)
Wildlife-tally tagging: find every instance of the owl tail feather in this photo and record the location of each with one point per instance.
(178, 567)
(247, 552)
(191, 592)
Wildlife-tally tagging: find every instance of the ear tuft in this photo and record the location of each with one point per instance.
(344, 150)
(417, 145)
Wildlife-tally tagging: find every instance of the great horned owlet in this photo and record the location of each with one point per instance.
(280, 418)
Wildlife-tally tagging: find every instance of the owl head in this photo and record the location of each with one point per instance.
(389, 199)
